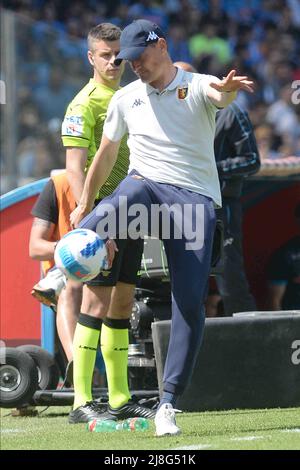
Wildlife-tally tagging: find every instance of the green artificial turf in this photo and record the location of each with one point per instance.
(236, 429)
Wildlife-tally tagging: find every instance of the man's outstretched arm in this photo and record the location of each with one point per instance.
(223, 92)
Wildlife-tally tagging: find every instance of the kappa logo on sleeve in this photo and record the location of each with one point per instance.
(72, 126)
(137, 102)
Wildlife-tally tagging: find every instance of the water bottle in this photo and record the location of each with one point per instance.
(102, 425)
(123, 426)
(133, 424)
(108, 425)
(139, 424)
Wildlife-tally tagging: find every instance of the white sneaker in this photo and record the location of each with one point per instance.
(48, 289)
(165, 422)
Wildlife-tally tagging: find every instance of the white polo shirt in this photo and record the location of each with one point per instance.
(171, 133)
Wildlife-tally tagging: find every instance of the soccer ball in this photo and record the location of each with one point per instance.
(81, 254)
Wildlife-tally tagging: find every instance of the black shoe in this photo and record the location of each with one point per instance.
(85, 413)
(131, 410)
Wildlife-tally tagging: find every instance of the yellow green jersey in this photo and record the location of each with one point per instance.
(83, 126)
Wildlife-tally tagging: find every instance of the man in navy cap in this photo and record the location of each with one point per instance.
(135, 38)
(169, 115)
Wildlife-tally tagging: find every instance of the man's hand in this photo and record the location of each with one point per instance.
(77, 215)
(233, 83)
(75, 218)
(111, 250)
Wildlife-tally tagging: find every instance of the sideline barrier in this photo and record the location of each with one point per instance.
(244, 362)
(266, 313)
(20, 313)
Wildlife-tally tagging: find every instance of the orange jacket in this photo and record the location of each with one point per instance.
(65, 204)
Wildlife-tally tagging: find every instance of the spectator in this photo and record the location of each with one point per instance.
(208, 43)
(265, 142)
(284, 273)
(52, 99)
(34, 158)
(149, 10)
(178, 45)
(282, 115)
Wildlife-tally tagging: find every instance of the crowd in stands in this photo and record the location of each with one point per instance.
(259, 38)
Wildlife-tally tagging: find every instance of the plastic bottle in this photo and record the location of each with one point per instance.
(139, 424)
(102, 425)
(130, 424)
(123, 426)
(133, 424)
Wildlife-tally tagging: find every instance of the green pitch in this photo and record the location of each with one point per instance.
(235, 429)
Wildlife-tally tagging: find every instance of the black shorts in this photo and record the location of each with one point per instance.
(125, 267)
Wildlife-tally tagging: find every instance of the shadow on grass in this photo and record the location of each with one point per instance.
(54, 414)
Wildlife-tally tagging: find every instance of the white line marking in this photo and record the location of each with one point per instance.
(193, 447)
(248, 438)
(9, 431)
(291, 430)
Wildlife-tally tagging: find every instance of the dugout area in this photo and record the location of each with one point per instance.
(246, 361)
(251, 360)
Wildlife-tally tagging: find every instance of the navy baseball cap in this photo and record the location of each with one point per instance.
(136, 37)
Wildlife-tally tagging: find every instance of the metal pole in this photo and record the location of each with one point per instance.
(9, 112)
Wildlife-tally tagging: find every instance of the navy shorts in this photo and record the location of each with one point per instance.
(126, 265)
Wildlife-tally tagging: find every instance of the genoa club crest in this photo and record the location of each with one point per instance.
(182, 92)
